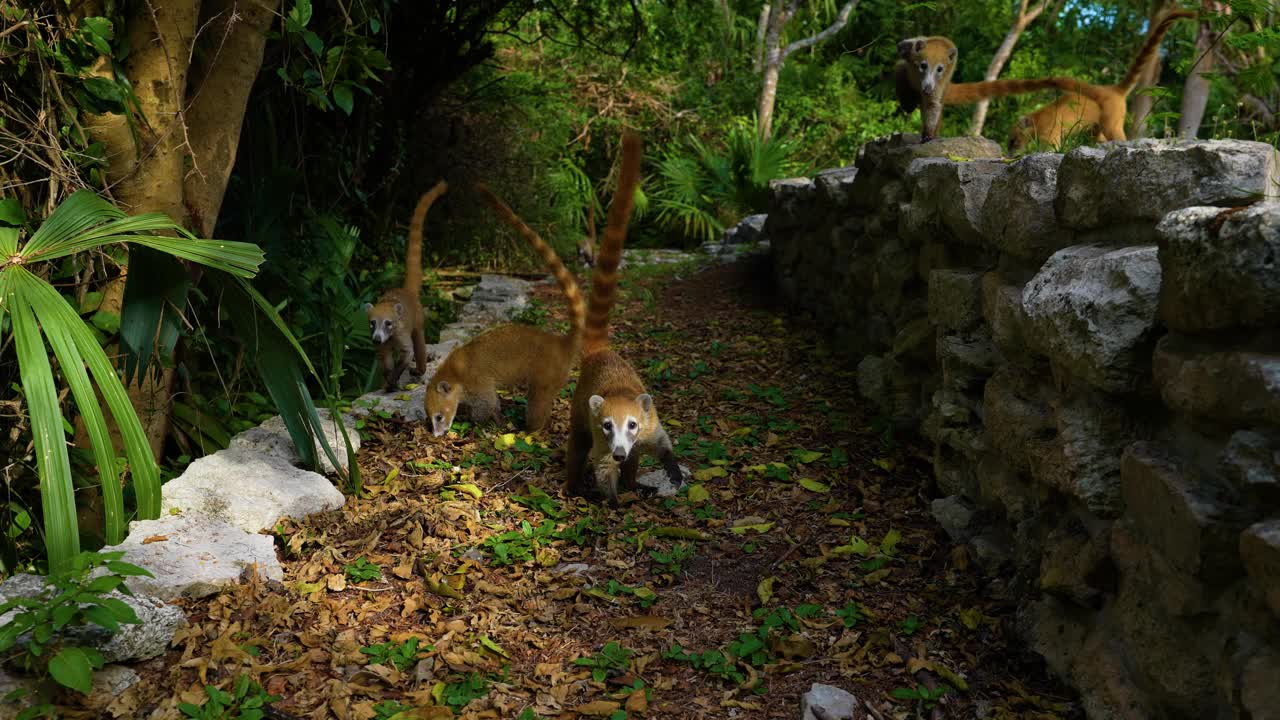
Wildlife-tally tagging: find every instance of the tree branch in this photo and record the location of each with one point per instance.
(841, 20)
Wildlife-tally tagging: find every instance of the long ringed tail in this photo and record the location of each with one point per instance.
(413, 251)
(604, 276)
(572, 295)
(972, 92)
(1149, 49)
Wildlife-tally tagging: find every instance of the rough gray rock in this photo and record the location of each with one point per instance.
(1092, 311)
(1259, 691)
(790, 203)
(1208, 380)
(1251, 462)
(661, 485)
(272, 438)
(1082, 460)
(1072, 559)
(748, 230)
(194, 555)
(955, 299)
(966, 361)
(1177, 592)
(1018, 217)
(954, 515)
(835, 185)
(893, 158)
(108, 684)
(1220, 269)
(249, 490)
(1146, 179)
(1179, 514)
(1260, 551)
(141, 641)
(1005, 317)
(1018, 417)
(950, 196)
(826, 702)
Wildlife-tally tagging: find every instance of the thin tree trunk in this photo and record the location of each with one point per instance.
(775, 55)
(1020, 22)
(1195, 92)
(1142, 102)
(148, 178)
(762, 27)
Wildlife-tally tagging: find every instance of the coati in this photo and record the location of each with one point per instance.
(612, 420)
(511, 354)
(396, 321)
(1100, 108)
(923, 79)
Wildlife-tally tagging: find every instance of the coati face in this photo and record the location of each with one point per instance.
(384, 320)
(1021, 132)
(932, 60)
(442, 404)
(621, 421)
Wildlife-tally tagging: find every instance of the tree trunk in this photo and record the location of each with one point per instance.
(1195, 92)
(154, 176)
(1020, 22)
(1142, 102)
(148, 177)
(762, 27)
(775, 55)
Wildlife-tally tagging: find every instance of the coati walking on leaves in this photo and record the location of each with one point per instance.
(1100, 108)
(509, 354)
(613, 420)
(396, 321)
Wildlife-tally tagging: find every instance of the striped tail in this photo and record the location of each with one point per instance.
(972, 92)
(413, 251)
(572, 295)
(1150, 48)
(604, 277)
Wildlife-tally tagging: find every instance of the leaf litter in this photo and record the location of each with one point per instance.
(463, 583)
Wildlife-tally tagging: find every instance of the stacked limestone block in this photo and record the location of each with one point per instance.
(1092, 343)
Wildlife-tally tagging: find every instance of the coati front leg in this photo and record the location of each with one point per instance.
(930, 117)
(483, 404)
(608, 473)
(392, 367)
(538, 410)
(666, 453)
(577, 463)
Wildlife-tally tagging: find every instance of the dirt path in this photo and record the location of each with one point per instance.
(560, 608)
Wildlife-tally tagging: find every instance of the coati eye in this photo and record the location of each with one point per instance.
(924, 67)
(939, 69)
(439, 417)
(631, 424)
(607, 425)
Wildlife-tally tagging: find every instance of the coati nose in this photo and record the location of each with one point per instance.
(619, 455)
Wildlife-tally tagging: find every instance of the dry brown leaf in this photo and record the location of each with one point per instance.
(647, 622)
(598, 708)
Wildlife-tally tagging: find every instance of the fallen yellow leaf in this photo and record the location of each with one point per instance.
(764, 590)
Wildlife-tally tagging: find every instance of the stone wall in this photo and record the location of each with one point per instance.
(1092, 344)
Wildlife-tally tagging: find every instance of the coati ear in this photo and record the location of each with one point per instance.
(443, 387)
(595, 401)
(646, 401)
(952, 54)
(368, 307)
(905, 47)
(400, 309)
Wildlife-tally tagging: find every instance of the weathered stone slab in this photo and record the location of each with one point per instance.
(791, 203)
(954, 515)
(1019, 217)
(1260, 551)
(1017, 416)
(1072, 561)
(1179, 514)
(966, 361)
(895, 159)
(1092, 311)
(1082, 460)
(1251, 461)
(1220, 269)
(749, 229)
(1146, 179)
(955, 299)
(1005, 317)
(835, 185)
(194, 555)
(249, 490)
(1178, 592)
(272, 438)
(1207, 380)
(141, 641)
(827, 701)
(950, 195)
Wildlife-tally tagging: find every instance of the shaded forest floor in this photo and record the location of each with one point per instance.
(465, 579)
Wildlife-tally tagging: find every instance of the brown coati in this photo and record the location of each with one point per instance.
(613, 420)
(508, 355)
(1096, 108)
(396, 320)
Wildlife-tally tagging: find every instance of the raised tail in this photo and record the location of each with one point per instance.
(1150, 48)
(572, 295)
(604, 277)
(413, 251)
